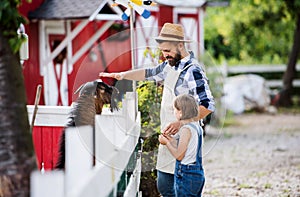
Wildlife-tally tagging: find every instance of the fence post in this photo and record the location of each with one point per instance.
(79, 156)
(48, 184)
(130, 111)
(134, 182)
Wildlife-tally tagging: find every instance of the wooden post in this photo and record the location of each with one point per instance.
(36, 102)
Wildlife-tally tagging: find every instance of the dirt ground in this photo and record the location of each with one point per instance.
(257, 156)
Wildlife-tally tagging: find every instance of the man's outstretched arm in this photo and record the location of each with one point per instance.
(136, 75)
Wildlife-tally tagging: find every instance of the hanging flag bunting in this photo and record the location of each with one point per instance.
(136, 5)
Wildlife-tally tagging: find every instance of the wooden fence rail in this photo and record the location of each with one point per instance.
(261, 69)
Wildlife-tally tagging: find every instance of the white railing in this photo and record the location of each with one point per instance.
(94, 163)
(272, 83)
(49, 115)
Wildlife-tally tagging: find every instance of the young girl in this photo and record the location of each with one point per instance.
(186, 147)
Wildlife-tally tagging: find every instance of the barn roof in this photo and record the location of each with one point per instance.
(68, 9)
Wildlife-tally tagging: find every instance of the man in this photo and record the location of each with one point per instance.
(181, 74)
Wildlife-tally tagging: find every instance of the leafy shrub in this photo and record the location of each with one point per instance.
(149, 98)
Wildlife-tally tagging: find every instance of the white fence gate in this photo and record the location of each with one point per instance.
(95, 162)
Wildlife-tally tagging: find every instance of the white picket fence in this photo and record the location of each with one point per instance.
(115, 139)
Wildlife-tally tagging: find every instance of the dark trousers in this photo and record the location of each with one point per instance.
(165, 184)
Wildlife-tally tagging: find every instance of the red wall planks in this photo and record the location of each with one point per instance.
(46, 144)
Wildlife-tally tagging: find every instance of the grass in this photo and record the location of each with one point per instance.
(268, 186)
(229, 119)
(260, 174)
(244, 186)
(295, 109)
(227, 135)
(291, 110)
(214, 192)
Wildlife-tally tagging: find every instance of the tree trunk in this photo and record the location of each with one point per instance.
(285, 98)
(16, 152)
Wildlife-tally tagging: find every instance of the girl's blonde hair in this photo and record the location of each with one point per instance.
(187, 105)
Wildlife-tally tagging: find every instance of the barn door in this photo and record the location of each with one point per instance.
(55, 73)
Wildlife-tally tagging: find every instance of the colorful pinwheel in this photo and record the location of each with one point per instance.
(136, 5)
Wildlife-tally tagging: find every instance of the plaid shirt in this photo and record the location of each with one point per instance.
(192, 80)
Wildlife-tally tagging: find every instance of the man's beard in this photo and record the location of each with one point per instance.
(175, 59)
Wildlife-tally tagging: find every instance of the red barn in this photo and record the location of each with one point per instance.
(70, 42)
(68, 46)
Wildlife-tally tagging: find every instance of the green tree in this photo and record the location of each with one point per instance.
(16, 153)
(249, 32)
(290, 73)
(257, 32)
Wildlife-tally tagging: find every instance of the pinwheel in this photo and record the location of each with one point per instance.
(136, 5)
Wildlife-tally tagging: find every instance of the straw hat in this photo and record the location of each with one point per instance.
(171, 32)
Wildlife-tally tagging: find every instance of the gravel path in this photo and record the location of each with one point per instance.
(258, 156)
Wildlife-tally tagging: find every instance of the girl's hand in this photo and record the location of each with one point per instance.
(162, 139)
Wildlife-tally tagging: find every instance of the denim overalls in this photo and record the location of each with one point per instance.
(189, 179)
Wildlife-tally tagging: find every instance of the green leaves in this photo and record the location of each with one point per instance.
(251, 31)
(15, 43)
(149, 106)
(10, 20)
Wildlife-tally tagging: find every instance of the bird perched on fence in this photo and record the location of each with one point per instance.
(92, 97)
(137, 5)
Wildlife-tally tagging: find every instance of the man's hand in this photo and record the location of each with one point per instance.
(172, 128)
(118, 76)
